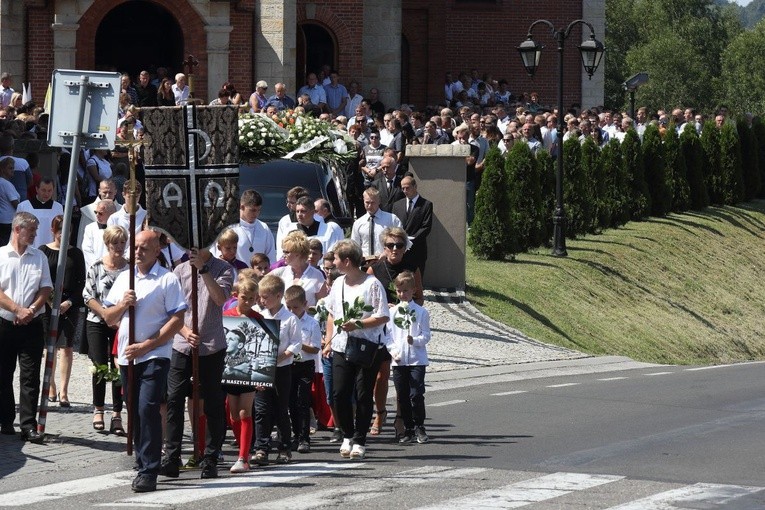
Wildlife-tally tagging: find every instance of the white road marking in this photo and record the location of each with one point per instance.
(710, 367)
(707, 494)
(563, 385)
(447, 403)
(354, 493)
(516, 392)
(527, 492)
(178, 493)
(613, 378)
(658, 373)
(66, 489)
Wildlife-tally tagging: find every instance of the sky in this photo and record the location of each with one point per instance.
(742, 2)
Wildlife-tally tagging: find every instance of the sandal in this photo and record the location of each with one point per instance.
(378, 423)
(98, 424)
(63, 401)
(116, 426)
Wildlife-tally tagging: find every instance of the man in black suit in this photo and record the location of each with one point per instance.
(416, 214)
(388, 184)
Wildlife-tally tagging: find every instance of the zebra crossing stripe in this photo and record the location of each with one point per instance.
(526, 492)
(64, 489)
(692, 496)
(370, 489)
(178, 492)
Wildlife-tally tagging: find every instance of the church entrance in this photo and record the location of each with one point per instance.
(315, 47)
(139, 35)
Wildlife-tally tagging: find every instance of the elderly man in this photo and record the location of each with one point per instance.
(315, 91)
(416, 215)
(159, 304)
(213, 281)
(280, 99)
(367, 229)
(25, 285)
(92, 245)
(107, 190)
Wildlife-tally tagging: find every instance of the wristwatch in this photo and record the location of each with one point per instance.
(204, 269)
(33, 308)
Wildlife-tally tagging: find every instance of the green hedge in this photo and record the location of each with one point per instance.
(604, 188)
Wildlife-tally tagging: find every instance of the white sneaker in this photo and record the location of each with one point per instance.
(345, 449)
(241, 466)
(358, 451)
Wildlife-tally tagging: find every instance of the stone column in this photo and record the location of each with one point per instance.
(64, 45)
(594, 12)
(276, 42)
(382, 49)
(440, 174)
(217, 58)
(12, 41)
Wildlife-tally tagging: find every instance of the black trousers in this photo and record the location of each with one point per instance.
(300, 399)
(272, 407)
(25, 344)
(100, 338)
(410, 393)
(347, 378)
(179, 387)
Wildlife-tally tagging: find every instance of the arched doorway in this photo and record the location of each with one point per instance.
(139, 35)
(316, 46)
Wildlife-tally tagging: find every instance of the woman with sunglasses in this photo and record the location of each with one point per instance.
(386, 269)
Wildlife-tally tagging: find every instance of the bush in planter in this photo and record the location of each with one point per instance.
(656, 172)
(710, 144)
(639, 197)
(730, 165)
(526, 202)
(677, 172)
(750, 159)
(491, 235)
(694, 158)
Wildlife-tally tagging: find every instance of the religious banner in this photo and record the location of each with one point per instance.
(191, 161)
(251, 351)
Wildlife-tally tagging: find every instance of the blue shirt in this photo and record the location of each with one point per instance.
(285, 103)
(335, 95)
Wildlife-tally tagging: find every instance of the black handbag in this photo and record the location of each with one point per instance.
(358, 350)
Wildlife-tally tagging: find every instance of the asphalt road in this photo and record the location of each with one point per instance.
(649, 437)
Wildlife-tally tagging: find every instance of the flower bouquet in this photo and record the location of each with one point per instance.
(105, 373)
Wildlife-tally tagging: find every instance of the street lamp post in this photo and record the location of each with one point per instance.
(531, 52)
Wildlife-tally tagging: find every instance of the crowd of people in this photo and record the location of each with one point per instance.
(334, 296)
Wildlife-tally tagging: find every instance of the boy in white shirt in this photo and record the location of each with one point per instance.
(410, 333)
(272, 404)
(303, 368)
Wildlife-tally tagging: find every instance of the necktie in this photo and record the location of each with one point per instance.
(371, 234)
(409, 207)
(390, 185)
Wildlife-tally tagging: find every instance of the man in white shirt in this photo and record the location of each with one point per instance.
(107, 190)
(367, 229)
(92, 245)
(44, 208)
(254, 235)
(5, 89)
(307, 222)
(122, 216)
(25, 285)
(354, 99)
(181, 90)
(286, 221)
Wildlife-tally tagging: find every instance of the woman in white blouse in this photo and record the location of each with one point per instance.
(348, 376)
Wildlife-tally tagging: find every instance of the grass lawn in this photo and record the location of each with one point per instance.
(685, 289)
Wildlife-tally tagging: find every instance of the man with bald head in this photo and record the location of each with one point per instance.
(159, 304)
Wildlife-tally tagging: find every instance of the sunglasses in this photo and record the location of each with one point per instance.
(398, 246)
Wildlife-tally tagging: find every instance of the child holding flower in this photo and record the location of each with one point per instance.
(410, 333)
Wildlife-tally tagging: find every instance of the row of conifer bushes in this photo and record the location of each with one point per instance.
(609, 186)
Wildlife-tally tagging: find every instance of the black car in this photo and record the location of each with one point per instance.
(274, 178)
